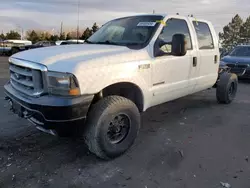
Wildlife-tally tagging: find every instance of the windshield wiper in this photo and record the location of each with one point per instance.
(134, 43)
(105, 42)
(111, 43)
(108, 42)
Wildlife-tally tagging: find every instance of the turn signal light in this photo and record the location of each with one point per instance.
(74, 92)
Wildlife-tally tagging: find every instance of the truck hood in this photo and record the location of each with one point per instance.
(66, 58)
(234, 59)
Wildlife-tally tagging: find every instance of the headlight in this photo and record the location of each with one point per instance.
(63, 84)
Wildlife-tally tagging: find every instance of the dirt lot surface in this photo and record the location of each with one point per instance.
(188, 143)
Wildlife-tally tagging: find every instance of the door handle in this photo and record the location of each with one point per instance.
(194, 61)
(215, 59)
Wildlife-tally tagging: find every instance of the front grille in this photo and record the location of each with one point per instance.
(26, 80)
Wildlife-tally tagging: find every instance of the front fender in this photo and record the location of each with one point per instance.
(94, 80)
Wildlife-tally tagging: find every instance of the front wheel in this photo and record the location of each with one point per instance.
(227, 88)
(112, 127)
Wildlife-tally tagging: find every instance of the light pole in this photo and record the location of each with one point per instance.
(77, 30)
(20, 29)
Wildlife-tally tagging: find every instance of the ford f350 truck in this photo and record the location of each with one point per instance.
(129, 65)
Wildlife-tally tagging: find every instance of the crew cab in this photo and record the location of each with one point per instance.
(129, 65)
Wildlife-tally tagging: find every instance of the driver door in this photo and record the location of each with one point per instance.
(171, 74)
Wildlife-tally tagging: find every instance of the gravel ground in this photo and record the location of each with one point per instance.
(188, 143)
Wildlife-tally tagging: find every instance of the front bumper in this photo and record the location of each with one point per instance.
(242, 71)
(48, 110)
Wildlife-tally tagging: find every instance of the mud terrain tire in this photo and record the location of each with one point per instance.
(110, 118)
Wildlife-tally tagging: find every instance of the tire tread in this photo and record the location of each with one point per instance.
(95, 113)
(221, 91)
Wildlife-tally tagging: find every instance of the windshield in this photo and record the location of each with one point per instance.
(135, 30)
(243, 51)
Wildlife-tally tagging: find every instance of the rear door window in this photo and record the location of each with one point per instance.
(204, 35)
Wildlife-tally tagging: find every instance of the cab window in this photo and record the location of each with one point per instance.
(204, 35)
(174, 26)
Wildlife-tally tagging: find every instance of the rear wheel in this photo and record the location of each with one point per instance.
(112, 127)
(227, 88)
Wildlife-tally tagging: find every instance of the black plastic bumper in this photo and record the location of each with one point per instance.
(51, 109)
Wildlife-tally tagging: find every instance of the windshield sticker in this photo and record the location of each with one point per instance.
(196, 21)
(161, 22)
(146, 24)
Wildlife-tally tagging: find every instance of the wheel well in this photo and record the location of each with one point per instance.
(222, 69)
(123, 89)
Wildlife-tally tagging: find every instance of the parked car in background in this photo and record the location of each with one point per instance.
(238, 60)
(19, 42)
(72, 42)
(223, 52)
(58, 42)
(6, 45)
(39, 44)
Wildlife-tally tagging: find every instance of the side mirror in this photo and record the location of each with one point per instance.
(178, 45)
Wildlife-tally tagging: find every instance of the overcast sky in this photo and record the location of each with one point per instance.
(47, 14)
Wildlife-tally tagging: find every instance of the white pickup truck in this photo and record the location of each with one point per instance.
(129, 65)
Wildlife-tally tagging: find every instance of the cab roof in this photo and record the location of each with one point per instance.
(191, 18)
